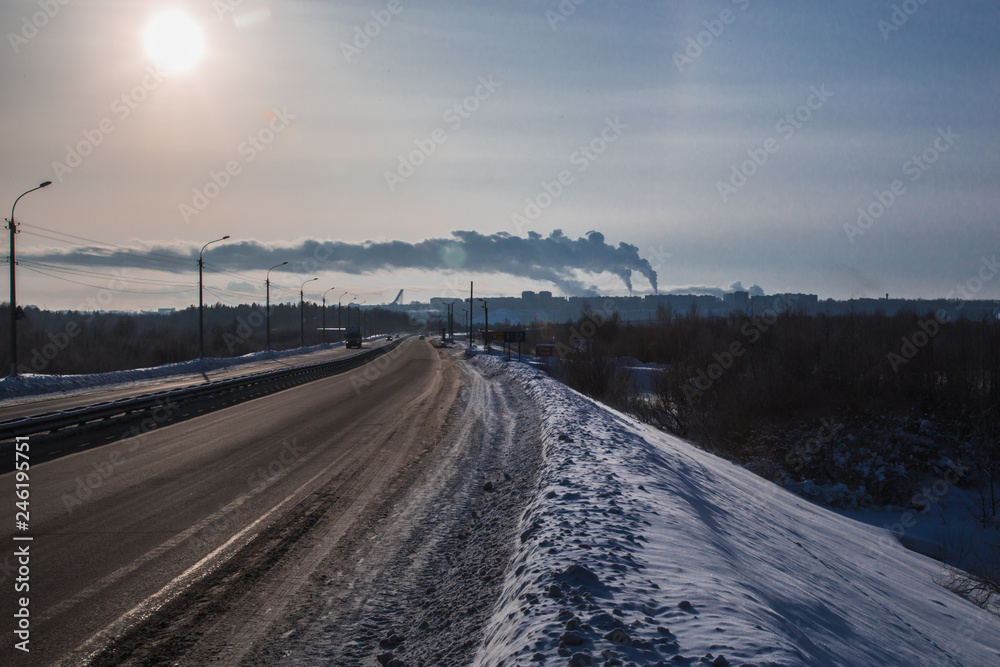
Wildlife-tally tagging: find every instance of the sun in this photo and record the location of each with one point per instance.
(174, 41)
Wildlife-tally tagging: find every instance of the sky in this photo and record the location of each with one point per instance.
(845, 150)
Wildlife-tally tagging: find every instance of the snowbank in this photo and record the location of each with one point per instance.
(639, 548)
(29, 384)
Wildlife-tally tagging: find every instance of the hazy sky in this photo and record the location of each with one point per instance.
(719, 141)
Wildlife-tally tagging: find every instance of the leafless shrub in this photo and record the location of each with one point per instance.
(980, 586)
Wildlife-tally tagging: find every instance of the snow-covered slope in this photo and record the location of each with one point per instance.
(29, 384)
(639, 547)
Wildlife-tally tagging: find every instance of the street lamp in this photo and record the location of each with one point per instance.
(267, 283)
(302, 313)
(324, 313)
(201, 299)
(340, 332)
(12, 226)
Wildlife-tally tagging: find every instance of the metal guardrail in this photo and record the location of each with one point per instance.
(74, 417)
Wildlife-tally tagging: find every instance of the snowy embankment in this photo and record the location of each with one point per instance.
(29, 384)
(640, 548)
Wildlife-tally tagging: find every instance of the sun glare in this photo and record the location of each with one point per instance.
(174, 42)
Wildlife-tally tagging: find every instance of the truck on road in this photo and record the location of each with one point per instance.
(352, 337)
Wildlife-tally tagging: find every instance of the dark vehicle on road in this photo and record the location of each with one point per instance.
(352, 337)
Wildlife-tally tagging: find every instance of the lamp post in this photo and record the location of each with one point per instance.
(201, 299)
(324, 313)
(302, 313)
(267, 283)
(486, 332)
(471, 304)
(12, 226)
(472, 307)
(340, 332)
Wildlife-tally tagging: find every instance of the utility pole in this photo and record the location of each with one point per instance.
(302, 313)
(486, 331)
(471, 303)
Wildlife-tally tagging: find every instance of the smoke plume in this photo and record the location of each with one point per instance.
(556, 258)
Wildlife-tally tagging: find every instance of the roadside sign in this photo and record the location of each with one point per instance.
(513, 336)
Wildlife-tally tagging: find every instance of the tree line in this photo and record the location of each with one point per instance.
(75, 342)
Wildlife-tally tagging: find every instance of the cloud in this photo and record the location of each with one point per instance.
(555, 258)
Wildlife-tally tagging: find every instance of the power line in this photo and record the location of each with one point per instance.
(112, 289)
(247, 295)
(219, 269)
(126, 249)
(222, 299)
(98, 274)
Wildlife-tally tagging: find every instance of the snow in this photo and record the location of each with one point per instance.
(946, 530)
(29, 384)
(638, 547)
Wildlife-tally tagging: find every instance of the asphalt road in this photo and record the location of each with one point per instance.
(120, 531)
(13, 408)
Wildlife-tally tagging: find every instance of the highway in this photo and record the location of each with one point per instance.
(169, 546)
(12, 408)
